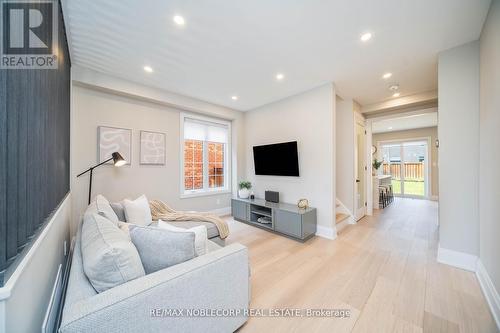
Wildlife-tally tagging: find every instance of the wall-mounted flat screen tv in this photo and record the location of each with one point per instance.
(280, 159)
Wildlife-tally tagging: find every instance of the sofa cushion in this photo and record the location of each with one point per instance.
(109, 257)
(104, 209)
(212, 230)
(200, 235)
(137, 211)
(119, 210)
(161, 248)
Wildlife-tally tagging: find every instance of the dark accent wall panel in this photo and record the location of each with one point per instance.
(34, 151)
(3, 171)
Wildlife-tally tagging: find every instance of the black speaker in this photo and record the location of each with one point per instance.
(272, 196)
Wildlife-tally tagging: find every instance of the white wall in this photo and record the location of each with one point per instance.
(25, 296)
(459, 148)
(93, 108)
(489, 154)
(309, 119)
(345, 150)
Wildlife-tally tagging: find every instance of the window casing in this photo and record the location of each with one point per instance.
(205, 155)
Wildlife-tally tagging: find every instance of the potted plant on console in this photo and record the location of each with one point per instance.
(244, 189)
(376, 165)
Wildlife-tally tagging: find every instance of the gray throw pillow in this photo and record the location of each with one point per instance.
(119, 211)
(109, 257)
(161, 248)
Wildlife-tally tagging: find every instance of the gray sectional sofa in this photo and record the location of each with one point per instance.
(217, 280)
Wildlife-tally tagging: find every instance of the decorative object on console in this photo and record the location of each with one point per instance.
(118, 161)
(252, 196)
(303, 203)
(152, 150)
(113, 139)
(244, 189)
(272, 196)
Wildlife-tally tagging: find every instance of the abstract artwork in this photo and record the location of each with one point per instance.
(152, 148)
(113, 139)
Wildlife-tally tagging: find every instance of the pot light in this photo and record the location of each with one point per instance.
(234, 98)
(390, 127)
(396, 94)
(148, 69)
(366, 36)
(280, 76)
(386, 75)
(179, 20)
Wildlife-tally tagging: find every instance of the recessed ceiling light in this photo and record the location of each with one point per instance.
(394, 87)
(148, 69)
(396, 94)
(179, 20)
(387, 75)
(234, 98)
(280, 76)
(390, 127)
(366, 36)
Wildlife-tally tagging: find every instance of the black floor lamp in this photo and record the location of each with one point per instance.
(118, 161)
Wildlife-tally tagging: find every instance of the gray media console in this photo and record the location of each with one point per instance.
(281, 218)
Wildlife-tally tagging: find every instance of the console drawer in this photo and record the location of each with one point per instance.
(239, 210)
(288, 223)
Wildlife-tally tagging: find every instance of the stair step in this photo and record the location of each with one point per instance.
(339, 217)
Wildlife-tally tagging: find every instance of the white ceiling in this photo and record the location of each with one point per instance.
(235, 47)
(405, 123)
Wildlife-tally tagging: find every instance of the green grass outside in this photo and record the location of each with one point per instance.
(411, 187)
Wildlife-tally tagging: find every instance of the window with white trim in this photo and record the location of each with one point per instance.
(204, 155)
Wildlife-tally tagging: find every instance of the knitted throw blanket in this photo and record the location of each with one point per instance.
(159, 210)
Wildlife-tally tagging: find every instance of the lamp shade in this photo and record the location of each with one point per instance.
(118, 159)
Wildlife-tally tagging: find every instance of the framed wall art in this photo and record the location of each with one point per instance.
(153, 150)
(111, 139)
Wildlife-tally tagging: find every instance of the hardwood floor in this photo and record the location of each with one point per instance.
(383, 270)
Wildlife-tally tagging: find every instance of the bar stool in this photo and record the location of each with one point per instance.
(391, 194)
(382, 197)
(387, 194)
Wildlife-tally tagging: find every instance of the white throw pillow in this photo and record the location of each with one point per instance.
(200, 235)
(138, 211)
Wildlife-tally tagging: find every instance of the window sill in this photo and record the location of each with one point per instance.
(204, 193)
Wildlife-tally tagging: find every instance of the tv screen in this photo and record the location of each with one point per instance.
(279, 159)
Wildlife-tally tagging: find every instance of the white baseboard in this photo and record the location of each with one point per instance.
(325, 232)
(457, 259)
(221, 211)
(489, 291)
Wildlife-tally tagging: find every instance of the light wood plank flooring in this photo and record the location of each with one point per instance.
(383, 270)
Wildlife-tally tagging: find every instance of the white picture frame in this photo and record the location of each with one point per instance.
(152, 148)
(111, 139)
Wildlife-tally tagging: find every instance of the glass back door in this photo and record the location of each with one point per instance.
(407, 162)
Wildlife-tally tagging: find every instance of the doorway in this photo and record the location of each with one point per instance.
(360, 171)
(407, 162)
